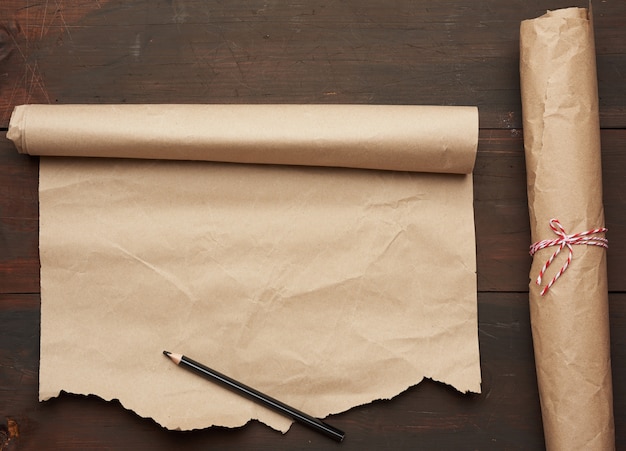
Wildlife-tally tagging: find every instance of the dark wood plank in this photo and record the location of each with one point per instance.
(501, 214)
(19, 221)
(431, 415)
(196, 51)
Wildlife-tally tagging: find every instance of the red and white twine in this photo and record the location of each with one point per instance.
(565, 240)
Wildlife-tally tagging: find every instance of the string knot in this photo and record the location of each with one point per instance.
(565, 240)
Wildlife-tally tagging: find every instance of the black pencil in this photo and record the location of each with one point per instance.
(257, 396)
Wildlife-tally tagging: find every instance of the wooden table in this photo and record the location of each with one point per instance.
(448, 52)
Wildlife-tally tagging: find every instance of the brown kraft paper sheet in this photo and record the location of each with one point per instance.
(323, 287)
(570, 322)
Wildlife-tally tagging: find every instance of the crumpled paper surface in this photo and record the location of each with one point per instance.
(323, 287)
(570, 323)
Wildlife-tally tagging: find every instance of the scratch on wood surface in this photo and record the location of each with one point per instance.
(59, 11)
(31, 78)
(5, 42)
(24, 32)
(180, 14)
(135, 48)
(43, 21)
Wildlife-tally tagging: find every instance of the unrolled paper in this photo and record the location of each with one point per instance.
(324, 287)
(570, 322)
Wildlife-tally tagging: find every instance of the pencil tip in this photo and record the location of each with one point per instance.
(176, 358)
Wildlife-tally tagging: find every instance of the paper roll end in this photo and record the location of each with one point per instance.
(16, 128)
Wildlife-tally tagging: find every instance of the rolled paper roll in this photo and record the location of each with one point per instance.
(402, 138)
(569, 306)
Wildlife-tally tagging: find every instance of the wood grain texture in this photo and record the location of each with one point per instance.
(429, 416)
(396, 52)
(19, 221)
(430, 413)
(194, 51)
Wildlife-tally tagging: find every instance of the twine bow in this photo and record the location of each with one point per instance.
(565, 240)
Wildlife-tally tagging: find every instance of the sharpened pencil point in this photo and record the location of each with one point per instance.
(176, 358)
